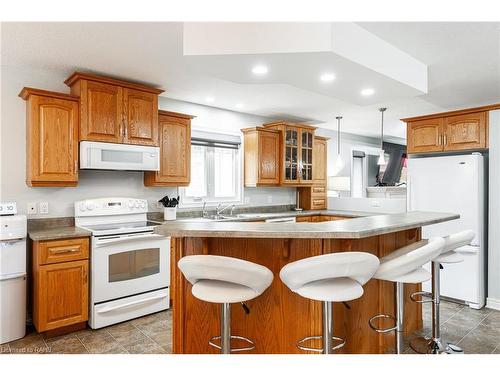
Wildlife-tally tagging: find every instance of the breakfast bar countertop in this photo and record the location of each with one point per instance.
(350, 228)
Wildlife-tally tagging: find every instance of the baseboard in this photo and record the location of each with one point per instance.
(493, 303)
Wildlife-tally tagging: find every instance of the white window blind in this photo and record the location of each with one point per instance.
(215, 169)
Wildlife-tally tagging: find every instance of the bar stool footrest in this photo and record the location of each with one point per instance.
(382, 316)
(422, 294)
(211, 342)
(316, 350)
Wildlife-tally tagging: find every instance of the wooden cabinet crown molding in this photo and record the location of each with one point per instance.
(458, 112)
(111, 81)
(287, 123)
(26, 92)
(162, 112)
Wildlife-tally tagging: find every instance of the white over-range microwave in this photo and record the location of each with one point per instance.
(114, 156)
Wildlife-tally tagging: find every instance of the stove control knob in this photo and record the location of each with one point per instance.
(82, 206)
(143, 204)
(89, 206)
(136, 204)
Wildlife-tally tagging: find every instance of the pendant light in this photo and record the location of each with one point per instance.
(381, 158)
(338, 162)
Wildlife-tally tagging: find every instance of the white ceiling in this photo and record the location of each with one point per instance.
(463, 64)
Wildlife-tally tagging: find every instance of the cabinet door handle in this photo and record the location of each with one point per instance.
(445, 140)
(64, 251)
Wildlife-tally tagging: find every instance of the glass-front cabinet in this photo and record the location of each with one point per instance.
(297, 166)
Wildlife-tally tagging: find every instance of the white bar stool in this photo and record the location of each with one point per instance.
(404, 266)
(337, 277)
(225, 280)
(447, 256)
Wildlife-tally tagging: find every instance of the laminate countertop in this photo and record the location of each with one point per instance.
(57, 233)
(358, 227)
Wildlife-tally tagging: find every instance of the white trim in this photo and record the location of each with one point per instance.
(493, 303)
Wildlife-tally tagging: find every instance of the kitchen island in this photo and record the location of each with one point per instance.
(279, 317)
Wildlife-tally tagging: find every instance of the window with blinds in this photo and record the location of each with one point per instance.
(215, 170)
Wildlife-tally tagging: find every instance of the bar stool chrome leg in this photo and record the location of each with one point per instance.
(226, 328)
(400, 310)
(398, 319)
(434, 345)
(327, 338)
(225, 335)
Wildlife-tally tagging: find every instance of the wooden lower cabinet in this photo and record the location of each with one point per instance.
(60, 283)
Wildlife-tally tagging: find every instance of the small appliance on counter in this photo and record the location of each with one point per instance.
(13, 229)
(130, 265)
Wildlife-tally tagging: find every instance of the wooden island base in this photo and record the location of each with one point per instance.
(279, 317)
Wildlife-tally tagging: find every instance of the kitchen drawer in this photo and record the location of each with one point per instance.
(319, 189)
(58, 251)
(318, 203)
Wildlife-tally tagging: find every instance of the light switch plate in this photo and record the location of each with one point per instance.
(43, 208)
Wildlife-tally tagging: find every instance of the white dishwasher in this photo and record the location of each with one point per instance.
(12, 273)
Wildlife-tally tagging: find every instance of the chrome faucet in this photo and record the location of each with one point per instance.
(220, 210)
(204, 212)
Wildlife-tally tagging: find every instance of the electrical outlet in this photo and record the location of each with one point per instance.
(269, 199)
(32, 209)
(247, 200)
(159, 205)
(375, 204)
(43, 208)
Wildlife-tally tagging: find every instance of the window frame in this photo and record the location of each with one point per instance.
(210, 200)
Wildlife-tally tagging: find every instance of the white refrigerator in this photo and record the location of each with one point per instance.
(454, 184)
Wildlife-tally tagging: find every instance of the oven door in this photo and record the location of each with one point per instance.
(128, 264)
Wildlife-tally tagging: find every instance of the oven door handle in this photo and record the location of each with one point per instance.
(150, 236)
(133, 303)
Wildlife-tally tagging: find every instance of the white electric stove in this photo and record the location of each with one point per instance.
(130, 265)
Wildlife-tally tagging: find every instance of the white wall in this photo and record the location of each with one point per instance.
(347, 143)
(94, 184)
(378, 205)
(493, 299)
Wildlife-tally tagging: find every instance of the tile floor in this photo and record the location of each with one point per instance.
(150, 334)
(476, 331)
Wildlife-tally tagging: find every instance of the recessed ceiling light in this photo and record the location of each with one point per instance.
(239, 105)
(367, 92)
(260, 70)
(209, 99)
(327, 77)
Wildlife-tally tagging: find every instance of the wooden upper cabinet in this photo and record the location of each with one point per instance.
(425, 136)
(175, 151)
(141, 118)
(465, 132)
(262, 157)
(297, 148)
(461, 130)
(101, 112)
(51, 138)
(320, 161)
(116, 111)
